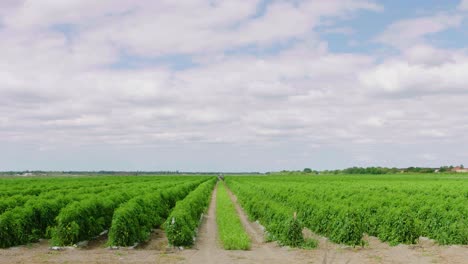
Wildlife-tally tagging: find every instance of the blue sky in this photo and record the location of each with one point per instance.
(220, 85)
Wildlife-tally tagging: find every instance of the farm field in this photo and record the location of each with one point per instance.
(70, 210)
(396, 209)
(344, 218)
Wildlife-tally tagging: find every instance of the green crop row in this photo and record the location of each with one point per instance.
(181, 225)
(34, 219)
(13, 201)
(279, 220)
(70, 214)
(393, 208)
(37, 186)
(132, 222)
(230, 229)
(19, 200)
(86, 219)
(26, 224)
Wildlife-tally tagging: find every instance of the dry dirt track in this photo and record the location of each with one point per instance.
(207, 250)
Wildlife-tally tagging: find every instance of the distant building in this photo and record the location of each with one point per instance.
(460, 169)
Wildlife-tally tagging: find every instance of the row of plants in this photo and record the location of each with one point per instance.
(399, 212)
(280, 221)
(394, 209)
(182, 224)
(83, 220)
(26, 224)
(20, 200)
(13, 201)
(38, 216)
(49, 188)
(35, 186)
(133, 221)
(231, 232)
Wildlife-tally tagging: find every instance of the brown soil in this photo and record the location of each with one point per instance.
(208, 250)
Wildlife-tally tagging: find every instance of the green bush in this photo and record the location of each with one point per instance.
(132, 222)
(85, 219)
(27, 224)
(181, 225)
(277, 218)
(348, 228)
(293, 235)
(395, 208)
(27, 214)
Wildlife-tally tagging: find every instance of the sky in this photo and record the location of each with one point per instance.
(217, 85)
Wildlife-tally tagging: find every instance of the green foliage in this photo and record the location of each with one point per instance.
(400, 225)
(293, 235)
(181, 225)
(395, 208)
(69, 209)
(230, 229)
(28, 223)
(13, 201)
(129, 221)
(347, 228)
(85, 219)
(370, 170)
(132, 222)
(276, 217)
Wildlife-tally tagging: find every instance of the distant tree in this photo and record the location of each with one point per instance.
(444, 169)
(307, 170)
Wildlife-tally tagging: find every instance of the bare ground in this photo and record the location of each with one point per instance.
(208, 250)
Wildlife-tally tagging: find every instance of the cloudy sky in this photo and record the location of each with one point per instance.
(223, 85)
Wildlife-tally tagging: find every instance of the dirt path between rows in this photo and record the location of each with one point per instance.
(208, 250)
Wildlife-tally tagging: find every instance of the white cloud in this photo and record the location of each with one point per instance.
(463, 5)
(433, 133)
(162, 27)
(374, 122)
(340, 30)
(29, 14)
(401, 77)
(58, 90)
(412, 31)
(428, 55)
(429, 157)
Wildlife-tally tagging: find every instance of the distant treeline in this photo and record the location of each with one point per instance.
(352, 170)
(382, 170)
